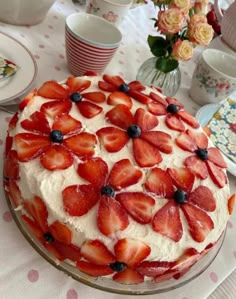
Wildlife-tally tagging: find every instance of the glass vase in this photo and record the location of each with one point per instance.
(149, 75)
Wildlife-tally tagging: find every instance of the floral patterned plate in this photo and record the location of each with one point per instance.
(207, 116)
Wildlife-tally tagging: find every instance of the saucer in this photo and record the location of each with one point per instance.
(20, 83)
(204, 115)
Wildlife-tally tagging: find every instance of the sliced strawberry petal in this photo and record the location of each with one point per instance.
(88, 109)
(217, 175)
(136, 85)
(174, 101)
(15, 193)
(90, 73)
(167, 221)
(186, 142)
(94, 171)
(215, 156)
(165, 276)
(79, 199)
(131, 251)
(67, 124)
(156, 109)
(53, 90)
(187, 259)
(111, 216)
(83, 144)
(203, 197)
(13, 122)
(30, 146)
(174, 123)
(199, 138)
(200, 224)
(154, 268)
(11, 165)
(145, 120)
(34, 227)
(113, 80)
(113, 139)
(161, 140)
(51, 248)
(97, 253)
(158, 99)
(27, 99)
(140, 97)
(148, 157)
(120, 116)
(60, 232)
(123, 174)
(188, 119)
(106, 86)
(197, 167)
(159, 182)
(94, 96)
(36, 123)
(231, 203)
(138, 205)
(118, 97)
(8, 145)
(94, 270)
(56, 157)
(182, 177)
(77, 84)
(67, 251)
(128, 276)
(56, 108)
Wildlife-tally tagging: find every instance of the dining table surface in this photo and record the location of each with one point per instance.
(23, 272)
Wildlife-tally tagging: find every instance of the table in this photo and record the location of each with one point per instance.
(25, 274)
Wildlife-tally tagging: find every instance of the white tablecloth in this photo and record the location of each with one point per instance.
(23, 272)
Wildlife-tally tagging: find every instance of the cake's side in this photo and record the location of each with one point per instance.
(116, 178)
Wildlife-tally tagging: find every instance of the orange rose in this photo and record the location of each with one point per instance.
(182, 50)
(201, 6)
(201, 34)
(170, 21)
(183, 5)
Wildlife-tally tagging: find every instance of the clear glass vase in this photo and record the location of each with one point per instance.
(149, 75)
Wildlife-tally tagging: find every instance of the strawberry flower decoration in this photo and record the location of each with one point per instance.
(176, 186)
(50, 144)
(204, 161)
(55, 237)
(98, 260)
(63, 97)
(139, 129)
(175, 115)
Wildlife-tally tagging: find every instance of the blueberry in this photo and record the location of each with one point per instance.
(118, 266)
(202, 153)
(107, 190)
(134, 131)
(172, 108)
(124, 87)
(180, 196)
(48, 237)
(56, 136)
(76, 97)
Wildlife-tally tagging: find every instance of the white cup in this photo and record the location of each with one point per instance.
(113, 11)
(214, 77)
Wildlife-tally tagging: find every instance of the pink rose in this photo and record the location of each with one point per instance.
(182, 50)
(222, 87)
(170, 21)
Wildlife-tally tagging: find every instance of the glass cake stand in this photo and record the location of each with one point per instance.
(105, 284)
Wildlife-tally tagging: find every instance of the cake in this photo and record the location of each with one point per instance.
(115, 178)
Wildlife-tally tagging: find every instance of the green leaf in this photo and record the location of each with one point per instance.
(158, 45)
(166, 65)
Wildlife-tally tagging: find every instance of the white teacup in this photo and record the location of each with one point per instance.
(214, 77)
(113, 11)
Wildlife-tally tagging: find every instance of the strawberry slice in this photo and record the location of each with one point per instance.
(197, 167)
(182, 177)
(165, 276)
(94, 171)
(15, 193)
(37, 123)
(138, 205)
(34, 227)
(11, 165)
(131, 251)
(136, 85)
(97, 253)
(186, 142)
(95, 96)
(118, 97)
(161, 140)
(27, 99)
(77, 84)
(199, 138)
(150, 157)
(79, 199)
(67, 124)
(174, 101)
(56, 157)
(145, 120)
(174, 123)
(113, 139)
(128, 276)
(231, 203)
(203, 197)
(215, 156)
(60, 232)
(124, 174)
(217, 175)
(200, 224)
(111, 216)
(187, 259)
(189, 119)
(88, 109)
(158, 99)
(113, 80)
(13, 122)
(159, 182)
(53, 90)
(8, 144)
(106, 86)
(56, 108)
(90, 73)
(93, 270)
(67, 251)
(120, 116)
(83, 144)
(30, 146)
(167, 221)
(140, 97)
(156, 109)
(154, 268)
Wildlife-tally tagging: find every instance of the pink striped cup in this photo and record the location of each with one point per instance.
(91, 43)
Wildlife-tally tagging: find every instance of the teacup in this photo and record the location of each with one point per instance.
(214, 77)
(113, 11)
(91, 43)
